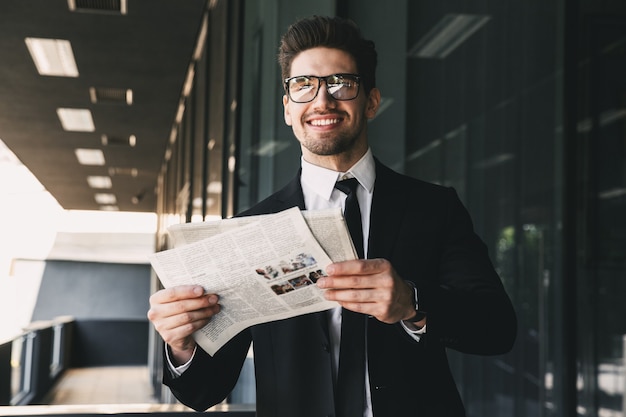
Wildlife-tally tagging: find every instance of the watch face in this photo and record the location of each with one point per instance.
(415, 300)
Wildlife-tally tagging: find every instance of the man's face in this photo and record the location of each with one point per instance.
(325, 127)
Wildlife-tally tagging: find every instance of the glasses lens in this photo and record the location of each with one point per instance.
(302, 89)
(342, 87)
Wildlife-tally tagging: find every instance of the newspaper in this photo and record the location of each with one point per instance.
(263, 268)
(328, 228)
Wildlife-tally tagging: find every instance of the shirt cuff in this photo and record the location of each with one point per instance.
(177, 371)
(414, 333)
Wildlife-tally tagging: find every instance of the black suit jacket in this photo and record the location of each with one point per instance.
(427, 235)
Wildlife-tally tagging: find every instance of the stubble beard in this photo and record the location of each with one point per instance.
(332, 143)
(327, 145)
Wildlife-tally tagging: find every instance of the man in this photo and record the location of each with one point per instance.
(426, 283)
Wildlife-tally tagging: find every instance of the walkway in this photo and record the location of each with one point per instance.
(106, 385)
(111, 390)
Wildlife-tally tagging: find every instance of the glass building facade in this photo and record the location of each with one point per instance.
(520, 105)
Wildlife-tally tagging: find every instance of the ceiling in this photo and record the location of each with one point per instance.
(148, 50)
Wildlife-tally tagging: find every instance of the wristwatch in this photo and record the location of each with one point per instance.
(419, 315)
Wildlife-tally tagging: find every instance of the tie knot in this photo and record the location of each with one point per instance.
(347, 186)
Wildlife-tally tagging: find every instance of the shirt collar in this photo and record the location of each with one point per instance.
(322, 180)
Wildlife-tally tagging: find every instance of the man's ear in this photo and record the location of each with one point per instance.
(373, 102)
(286, 112)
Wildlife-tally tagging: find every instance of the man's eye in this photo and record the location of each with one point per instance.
(301, 84)
(341, 82)
(304, 86)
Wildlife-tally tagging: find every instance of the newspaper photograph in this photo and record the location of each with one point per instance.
(263, 268)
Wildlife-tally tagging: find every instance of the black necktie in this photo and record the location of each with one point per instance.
(352, 212)
(350, 389)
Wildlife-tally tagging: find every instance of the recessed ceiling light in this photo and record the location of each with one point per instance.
(180, 112)
(99, 181)
(76, 120)
(109, 208)
(89, 156)
(188, 85)
(105, 198)
(52, 56)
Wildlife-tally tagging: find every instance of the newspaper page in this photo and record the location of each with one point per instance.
(328, 227)
(263, 270)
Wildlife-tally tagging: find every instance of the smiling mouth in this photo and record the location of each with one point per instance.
(324, 122)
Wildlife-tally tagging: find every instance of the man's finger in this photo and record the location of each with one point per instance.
(357, 267)
(176, 293)
(343, 282)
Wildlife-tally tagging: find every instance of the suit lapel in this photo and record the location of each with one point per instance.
(290, 195)
(287, 197)
(388, 206)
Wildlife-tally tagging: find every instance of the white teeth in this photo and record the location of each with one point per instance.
(324, 122)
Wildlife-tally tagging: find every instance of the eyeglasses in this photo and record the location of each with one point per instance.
(304, 88)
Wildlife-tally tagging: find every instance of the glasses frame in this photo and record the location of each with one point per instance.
(325, 78)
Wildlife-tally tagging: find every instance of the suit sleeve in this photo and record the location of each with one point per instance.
(468, 307)
(209, 379)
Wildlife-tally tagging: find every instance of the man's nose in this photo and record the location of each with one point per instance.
(323, 97)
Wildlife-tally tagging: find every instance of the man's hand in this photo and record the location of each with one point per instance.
(369, 286)
(177, 313)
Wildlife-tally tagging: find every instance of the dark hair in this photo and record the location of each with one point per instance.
(329, 32)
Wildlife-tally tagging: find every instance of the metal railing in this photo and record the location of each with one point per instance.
(32, 362)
